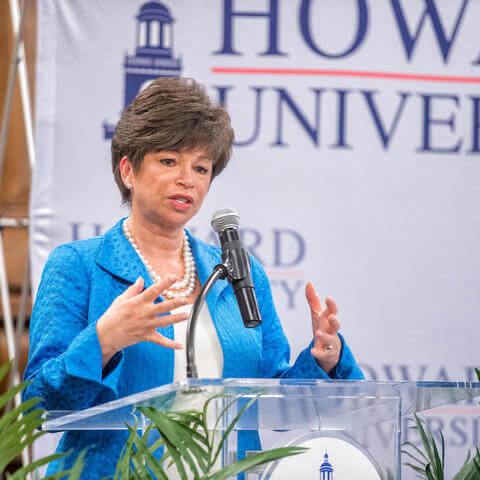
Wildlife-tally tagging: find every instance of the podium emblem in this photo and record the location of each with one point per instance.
(326, 469)
(344, 461)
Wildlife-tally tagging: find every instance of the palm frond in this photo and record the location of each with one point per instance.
(430, 460)
(470, 469)
(19, 428)
(253, 460)
(188, 443)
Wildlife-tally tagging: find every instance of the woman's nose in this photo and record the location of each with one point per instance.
(185, 177)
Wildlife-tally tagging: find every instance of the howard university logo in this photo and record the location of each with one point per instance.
(153, 55)
(326, 469)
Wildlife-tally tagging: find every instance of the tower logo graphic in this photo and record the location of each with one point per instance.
(153, 54)
(326, 469)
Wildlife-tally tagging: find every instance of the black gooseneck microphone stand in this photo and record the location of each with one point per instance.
(220, 272)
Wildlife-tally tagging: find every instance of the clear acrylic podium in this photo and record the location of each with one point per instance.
(288, 412)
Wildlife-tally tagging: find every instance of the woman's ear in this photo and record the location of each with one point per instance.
(126, 170)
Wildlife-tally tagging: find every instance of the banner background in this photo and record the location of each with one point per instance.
(366, 185)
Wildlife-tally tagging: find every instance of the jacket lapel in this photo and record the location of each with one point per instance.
(119, 258)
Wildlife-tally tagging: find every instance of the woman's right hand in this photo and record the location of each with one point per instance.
(133, 317)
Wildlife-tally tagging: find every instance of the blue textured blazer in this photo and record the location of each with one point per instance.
(80, 281)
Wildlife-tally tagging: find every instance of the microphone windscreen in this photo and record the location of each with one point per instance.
(225, 218)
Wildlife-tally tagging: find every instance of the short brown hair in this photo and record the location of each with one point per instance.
(171, 114)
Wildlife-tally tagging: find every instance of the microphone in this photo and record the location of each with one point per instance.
(237, 262)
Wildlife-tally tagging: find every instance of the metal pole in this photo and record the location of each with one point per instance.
(16, 16)
(8, 321)
(11, 82)
(22, 308)
(7, 313)
(18, 61)
(5, 295)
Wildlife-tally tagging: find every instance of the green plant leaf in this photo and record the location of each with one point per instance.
(177, 460)
(185, 444)
(253, 460)
(205, 411)
(190, 422)
(406, 452)
(466, 470)
(422, 455)
(123, 464)
(388, 475)
(437, 466)
(477, 467)
(18, 421)
(416, 468)
(13, 414)
(477, 371)
(177, 440)
(443, 452)
(230, 427)
(224, 410)
(424, 437)
(18, 430)
(186, 435)
(16, 449)
(4, 369)
(22, 472)
(57, 475)
(77, 467)
(147, 455)
(21, 428)
(159, 443)
(141, 471)
(428, 473)
(10, 394)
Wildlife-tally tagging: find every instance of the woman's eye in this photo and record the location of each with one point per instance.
(167, 161)
(202, 170)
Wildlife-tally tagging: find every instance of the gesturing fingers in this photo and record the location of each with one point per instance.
(313, 299)
(333, 324)
(167, 306)
(133, 290)
(166, 320)
(153, 291)
(323, 339)
(159, 339)
(331, 306)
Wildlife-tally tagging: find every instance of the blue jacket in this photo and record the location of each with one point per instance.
(80, 281)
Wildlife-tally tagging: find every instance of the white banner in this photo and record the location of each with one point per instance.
(356, 164)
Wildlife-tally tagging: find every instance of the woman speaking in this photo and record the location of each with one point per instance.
(99, 329)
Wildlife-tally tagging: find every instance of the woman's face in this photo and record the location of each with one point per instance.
(169, 187)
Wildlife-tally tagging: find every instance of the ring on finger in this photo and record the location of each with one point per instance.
(329, 347)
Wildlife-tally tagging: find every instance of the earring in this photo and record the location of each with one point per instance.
(129, 186)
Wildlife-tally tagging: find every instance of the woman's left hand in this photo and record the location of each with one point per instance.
(325, 324)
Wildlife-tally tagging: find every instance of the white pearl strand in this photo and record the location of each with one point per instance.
(188, 282)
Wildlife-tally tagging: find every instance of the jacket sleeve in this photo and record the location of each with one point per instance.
(276, 350)
(65, 358)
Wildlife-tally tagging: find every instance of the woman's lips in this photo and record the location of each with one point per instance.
(181, 202)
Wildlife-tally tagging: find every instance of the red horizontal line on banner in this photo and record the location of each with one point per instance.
(345, 73)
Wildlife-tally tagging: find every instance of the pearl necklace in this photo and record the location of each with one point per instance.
(188, 282)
